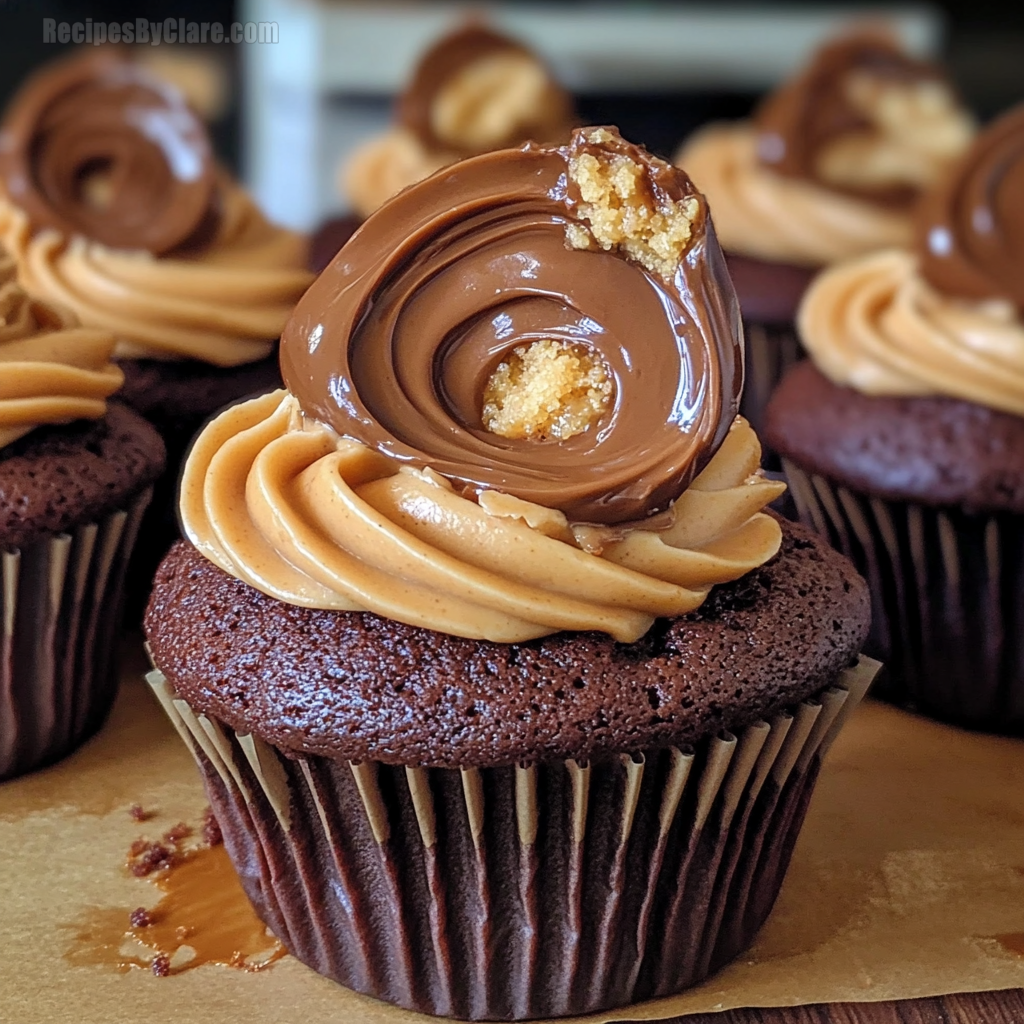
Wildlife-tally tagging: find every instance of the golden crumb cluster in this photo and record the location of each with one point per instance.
(618, 209)
(547, 389)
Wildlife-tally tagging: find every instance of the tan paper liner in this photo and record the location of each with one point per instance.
(519, 892)
(947, 591)
(60, 604)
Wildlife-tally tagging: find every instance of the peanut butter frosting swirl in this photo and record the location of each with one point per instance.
(224, 306)
(473, 91)
(381, 167)
(829, 167)
(596, 244)
(970, 230)
(283, 503)
(51, 370)
(876, 325)
(946, 319)
(767, 216)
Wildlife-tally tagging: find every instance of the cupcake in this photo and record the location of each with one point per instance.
(473, 91)
(507, 694)
(113, 206)
(828, 168)
(75, 476)
(903, 437)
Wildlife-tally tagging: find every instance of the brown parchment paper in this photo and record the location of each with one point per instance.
(910, 865)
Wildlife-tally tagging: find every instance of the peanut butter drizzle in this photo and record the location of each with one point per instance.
(442, 64)
(393, 344)
(100, 117)
(970, 230)
(202, 907)
(799, 121)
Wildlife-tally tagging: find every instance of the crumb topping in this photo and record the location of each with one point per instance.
(622, 212)
(549, 389)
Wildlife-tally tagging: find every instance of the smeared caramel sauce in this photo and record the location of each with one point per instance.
(203, 917)
(1012, 942)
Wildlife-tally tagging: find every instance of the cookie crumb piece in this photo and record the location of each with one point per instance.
(212, 834)
(144, 858)
(177, 833)
(624, 212)
(549, 389)
(140, 917)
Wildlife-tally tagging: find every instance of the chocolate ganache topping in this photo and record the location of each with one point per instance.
(863, 118)
(970, 229)
(473, 68)
(597, 245)
(97, 147)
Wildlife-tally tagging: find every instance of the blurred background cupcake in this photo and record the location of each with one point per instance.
(829, 167)
(113, 205)
(472, 91)
(75, 476)
(903, 436)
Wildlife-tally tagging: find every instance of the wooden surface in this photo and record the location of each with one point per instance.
(980, 1008)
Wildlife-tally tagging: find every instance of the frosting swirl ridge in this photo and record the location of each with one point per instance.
(393, 343)
(51, 370)
(224, 306)
(283, 503)
(971, 228)
(768, 216)
(832, 162)
(876, 325)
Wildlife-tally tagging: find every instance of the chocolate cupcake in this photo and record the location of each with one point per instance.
(113, 206)
(903, 439)
(75, 476)
(828, 168)
(508, 695)
(473, 91)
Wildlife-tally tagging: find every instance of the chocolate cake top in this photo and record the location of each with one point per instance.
(358, 686)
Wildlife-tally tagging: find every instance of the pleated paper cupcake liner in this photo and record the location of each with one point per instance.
(947, 592)
(771, 349)
(60, 606)
(526, 891)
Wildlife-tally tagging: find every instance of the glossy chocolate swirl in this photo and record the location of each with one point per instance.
(96, 147)
(394, 343)
(971, 228)
(864, 118)
(499, 79)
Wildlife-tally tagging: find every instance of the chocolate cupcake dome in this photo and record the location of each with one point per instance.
(467, 608)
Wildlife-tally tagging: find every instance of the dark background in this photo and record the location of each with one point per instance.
(984, 52)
